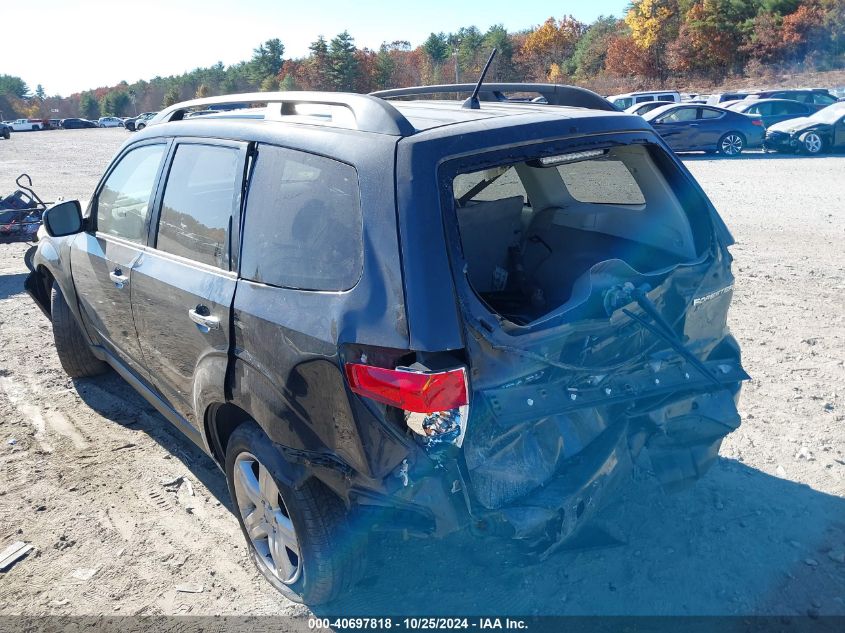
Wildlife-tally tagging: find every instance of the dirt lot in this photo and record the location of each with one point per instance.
(89, 473)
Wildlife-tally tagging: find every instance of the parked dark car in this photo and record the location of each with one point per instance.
(823, 131)
(414, 316)
(772, 111)
(76, 124)
(5, 131)
(706, 128)
(815, 98)
(641, 108)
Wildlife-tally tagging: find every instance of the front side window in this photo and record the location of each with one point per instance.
(123, 202)
(303, 227)
(199, 197)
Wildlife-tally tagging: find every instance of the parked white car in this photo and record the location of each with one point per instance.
(628, 99)
(109, 121)
(25, 125)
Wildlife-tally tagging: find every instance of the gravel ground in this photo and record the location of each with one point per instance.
(90, 473)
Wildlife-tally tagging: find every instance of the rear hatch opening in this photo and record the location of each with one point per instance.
(594, 283)
(538, 235)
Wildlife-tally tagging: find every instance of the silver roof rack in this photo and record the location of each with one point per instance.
(370, 114)
(554, 94)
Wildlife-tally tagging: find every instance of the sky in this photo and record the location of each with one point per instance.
(91, 43)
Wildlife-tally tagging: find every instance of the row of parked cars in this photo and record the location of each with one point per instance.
(73, 123)
(811, 120)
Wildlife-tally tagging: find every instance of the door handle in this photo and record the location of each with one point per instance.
(205, 322)
(118, 278)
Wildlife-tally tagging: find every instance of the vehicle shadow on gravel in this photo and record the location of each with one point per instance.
(113, 398)
(739, 542)
(11, 285)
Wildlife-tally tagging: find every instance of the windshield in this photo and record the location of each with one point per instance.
(830, 114)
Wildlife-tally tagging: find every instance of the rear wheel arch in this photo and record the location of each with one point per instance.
(221, 420)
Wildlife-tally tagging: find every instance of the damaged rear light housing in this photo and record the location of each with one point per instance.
(436, 403)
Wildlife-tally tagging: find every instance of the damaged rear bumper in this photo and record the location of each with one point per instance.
(680, 423)
(682, 437)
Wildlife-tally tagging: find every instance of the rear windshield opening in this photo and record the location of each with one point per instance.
(532, 233)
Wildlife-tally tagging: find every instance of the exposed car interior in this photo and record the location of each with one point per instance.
(532, 232)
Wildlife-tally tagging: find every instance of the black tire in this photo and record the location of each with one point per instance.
(735, 147)
(7, 135)
(139, 127)
(71, 345)
(331, 553)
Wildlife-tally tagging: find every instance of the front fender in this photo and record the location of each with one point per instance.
(50, 263)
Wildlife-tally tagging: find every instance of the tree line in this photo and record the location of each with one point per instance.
(656, 43)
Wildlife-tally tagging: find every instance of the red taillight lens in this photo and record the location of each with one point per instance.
(415, 391)
(757, 122)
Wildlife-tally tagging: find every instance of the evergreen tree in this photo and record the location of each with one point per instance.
(342, 62)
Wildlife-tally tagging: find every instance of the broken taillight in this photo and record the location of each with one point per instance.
(435, 403)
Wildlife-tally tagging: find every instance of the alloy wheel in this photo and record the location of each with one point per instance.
(813, 143)
(731, 144)
(266, 518)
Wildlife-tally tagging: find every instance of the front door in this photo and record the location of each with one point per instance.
(183, 288)
(102, 258)
(677, 128)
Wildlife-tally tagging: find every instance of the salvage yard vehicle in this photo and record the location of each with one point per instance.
(26, 125)
(706, 128)
(821, 132)
(625, 101)
(5, 131)
(423, 315)
(771, 111)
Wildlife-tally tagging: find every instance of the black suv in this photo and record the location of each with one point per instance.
(413, 314)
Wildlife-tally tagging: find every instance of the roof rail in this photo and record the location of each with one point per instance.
(370, 114)
(554, 94)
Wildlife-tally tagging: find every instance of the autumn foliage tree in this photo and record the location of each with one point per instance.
(549, 46)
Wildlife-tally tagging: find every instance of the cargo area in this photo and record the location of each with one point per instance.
(537, 236)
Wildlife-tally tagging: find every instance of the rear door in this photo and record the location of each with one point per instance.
(184, 286)
(710, 127)
(102, 258)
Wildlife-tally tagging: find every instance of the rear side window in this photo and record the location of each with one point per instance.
(644, 99)
(706, 113)
(680, 115)
(666, 98)
(198, 202)
(124, 200)
(303, 225)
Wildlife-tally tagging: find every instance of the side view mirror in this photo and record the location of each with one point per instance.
(64, 218)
